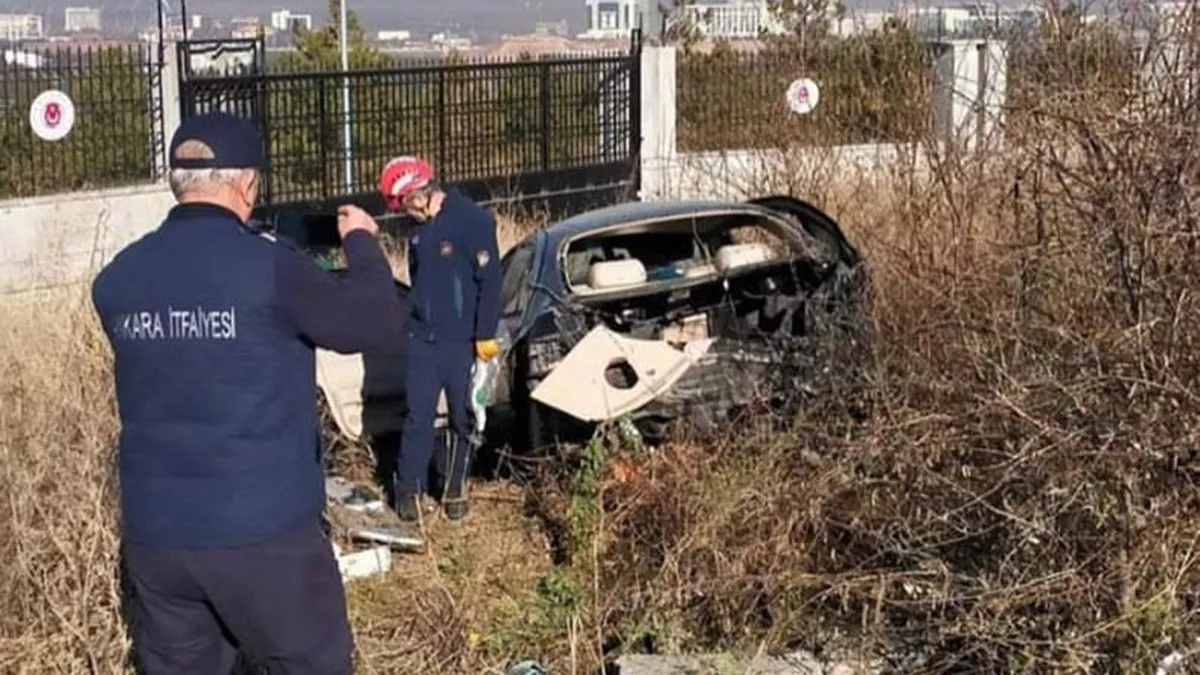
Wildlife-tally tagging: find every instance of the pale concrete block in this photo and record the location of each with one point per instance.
(65, 239)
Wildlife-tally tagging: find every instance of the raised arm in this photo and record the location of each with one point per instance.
(361, 312)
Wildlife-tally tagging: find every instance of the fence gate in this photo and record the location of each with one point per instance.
(559, 133)
(205, 68)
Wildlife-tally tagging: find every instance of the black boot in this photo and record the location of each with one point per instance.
(408, 507)
(455, 508)
(457, 462)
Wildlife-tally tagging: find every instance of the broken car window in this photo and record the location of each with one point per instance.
(514, 269)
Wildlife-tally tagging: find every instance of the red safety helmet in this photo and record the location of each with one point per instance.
(401, 177)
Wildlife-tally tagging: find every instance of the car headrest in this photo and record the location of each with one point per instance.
(738, 255)
(616, 273)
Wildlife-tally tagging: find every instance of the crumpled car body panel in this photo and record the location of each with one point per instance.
(579, 387)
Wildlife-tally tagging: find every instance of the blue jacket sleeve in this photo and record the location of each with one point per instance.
(361, 312)
(486, 257)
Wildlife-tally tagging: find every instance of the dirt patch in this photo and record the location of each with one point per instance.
(450, 608)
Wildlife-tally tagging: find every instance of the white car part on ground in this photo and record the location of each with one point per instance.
(363, 564)
(344, 378)
(394, 538)
(579, 385)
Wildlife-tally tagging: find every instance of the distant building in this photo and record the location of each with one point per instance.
(172, 32)
(537, 45)
(548, 28)
(447, 41)
(15, 27)
(81, 19)
(249, 28)
(394, 35)
(969, 21)
(859, 23)
(284, 21)
(13, 57)
(733, 18)
(612, 19)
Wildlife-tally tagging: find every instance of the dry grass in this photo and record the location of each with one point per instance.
(1023, 497)
(58, 583)
(511, 227)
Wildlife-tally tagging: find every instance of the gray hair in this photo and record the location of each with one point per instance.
(201, 180)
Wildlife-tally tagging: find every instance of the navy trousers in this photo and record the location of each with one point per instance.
(279, 606)
(431, 368)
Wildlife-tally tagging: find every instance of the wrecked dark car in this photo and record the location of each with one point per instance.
(651, 312)
(665, 312)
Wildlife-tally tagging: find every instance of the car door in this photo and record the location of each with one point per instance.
(516, 290)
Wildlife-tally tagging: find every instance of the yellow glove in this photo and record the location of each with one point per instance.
(487, 349)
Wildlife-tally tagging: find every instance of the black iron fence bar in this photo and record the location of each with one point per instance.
(544, 103)
(442, 131)
(114, 91)
(448, 69)
(263, 101)
(480, 121)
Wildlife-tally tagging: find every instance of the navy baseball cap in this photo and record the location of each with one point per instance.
(216, 140)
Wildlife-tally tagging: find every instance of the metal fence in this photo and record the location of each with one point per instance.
(878, 88)
(874, 89)
(118, 125)
(556, 124)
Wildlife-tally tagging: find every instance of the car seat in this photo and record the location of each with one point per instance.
(616, 274)
(732, 256)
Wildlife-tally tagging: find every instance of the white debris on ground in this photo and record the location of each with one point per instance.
(357, 515)
(1174, 661)
(362, 564)
(342, 493)
(795, 663)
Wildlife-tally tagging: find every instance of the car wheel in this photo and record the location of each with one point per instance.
(539, 432)
(654, 430)
(543, 428)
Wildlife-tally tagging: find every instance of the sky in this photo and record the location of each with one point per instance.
(420, 16)
(516, 16)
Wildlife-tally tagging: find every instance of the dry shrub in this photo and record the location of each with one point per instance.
(1022, 498)
(58, 584)
(1024, 495)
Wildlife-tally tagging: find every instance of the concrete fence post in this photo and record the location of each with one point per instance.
(994, 96)
(970, 80)
(657, 121)
(168, 102)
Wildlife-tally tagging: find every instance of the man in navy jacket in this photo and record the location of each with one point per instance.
(453, 262)
(213, 329)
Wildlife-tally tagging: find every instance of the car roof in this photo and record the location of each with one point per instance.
(633, 211)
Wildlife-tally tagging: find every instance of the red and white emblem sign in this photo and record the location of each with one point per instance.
(51, 115)
(803, 95)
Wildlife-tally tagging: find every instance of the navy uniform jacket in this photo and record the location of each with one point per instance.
(213, 329)
(454, 266)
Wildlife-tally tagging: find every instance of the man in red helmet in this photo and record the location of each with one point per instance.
(453, 263)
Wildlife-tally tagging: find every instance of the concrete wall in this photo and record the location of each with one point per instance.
(58, 240)
(743, 174)
(968, 99)
(64, 239)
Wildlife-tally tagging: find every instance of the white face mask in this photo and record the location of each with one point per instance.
(419, 207)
